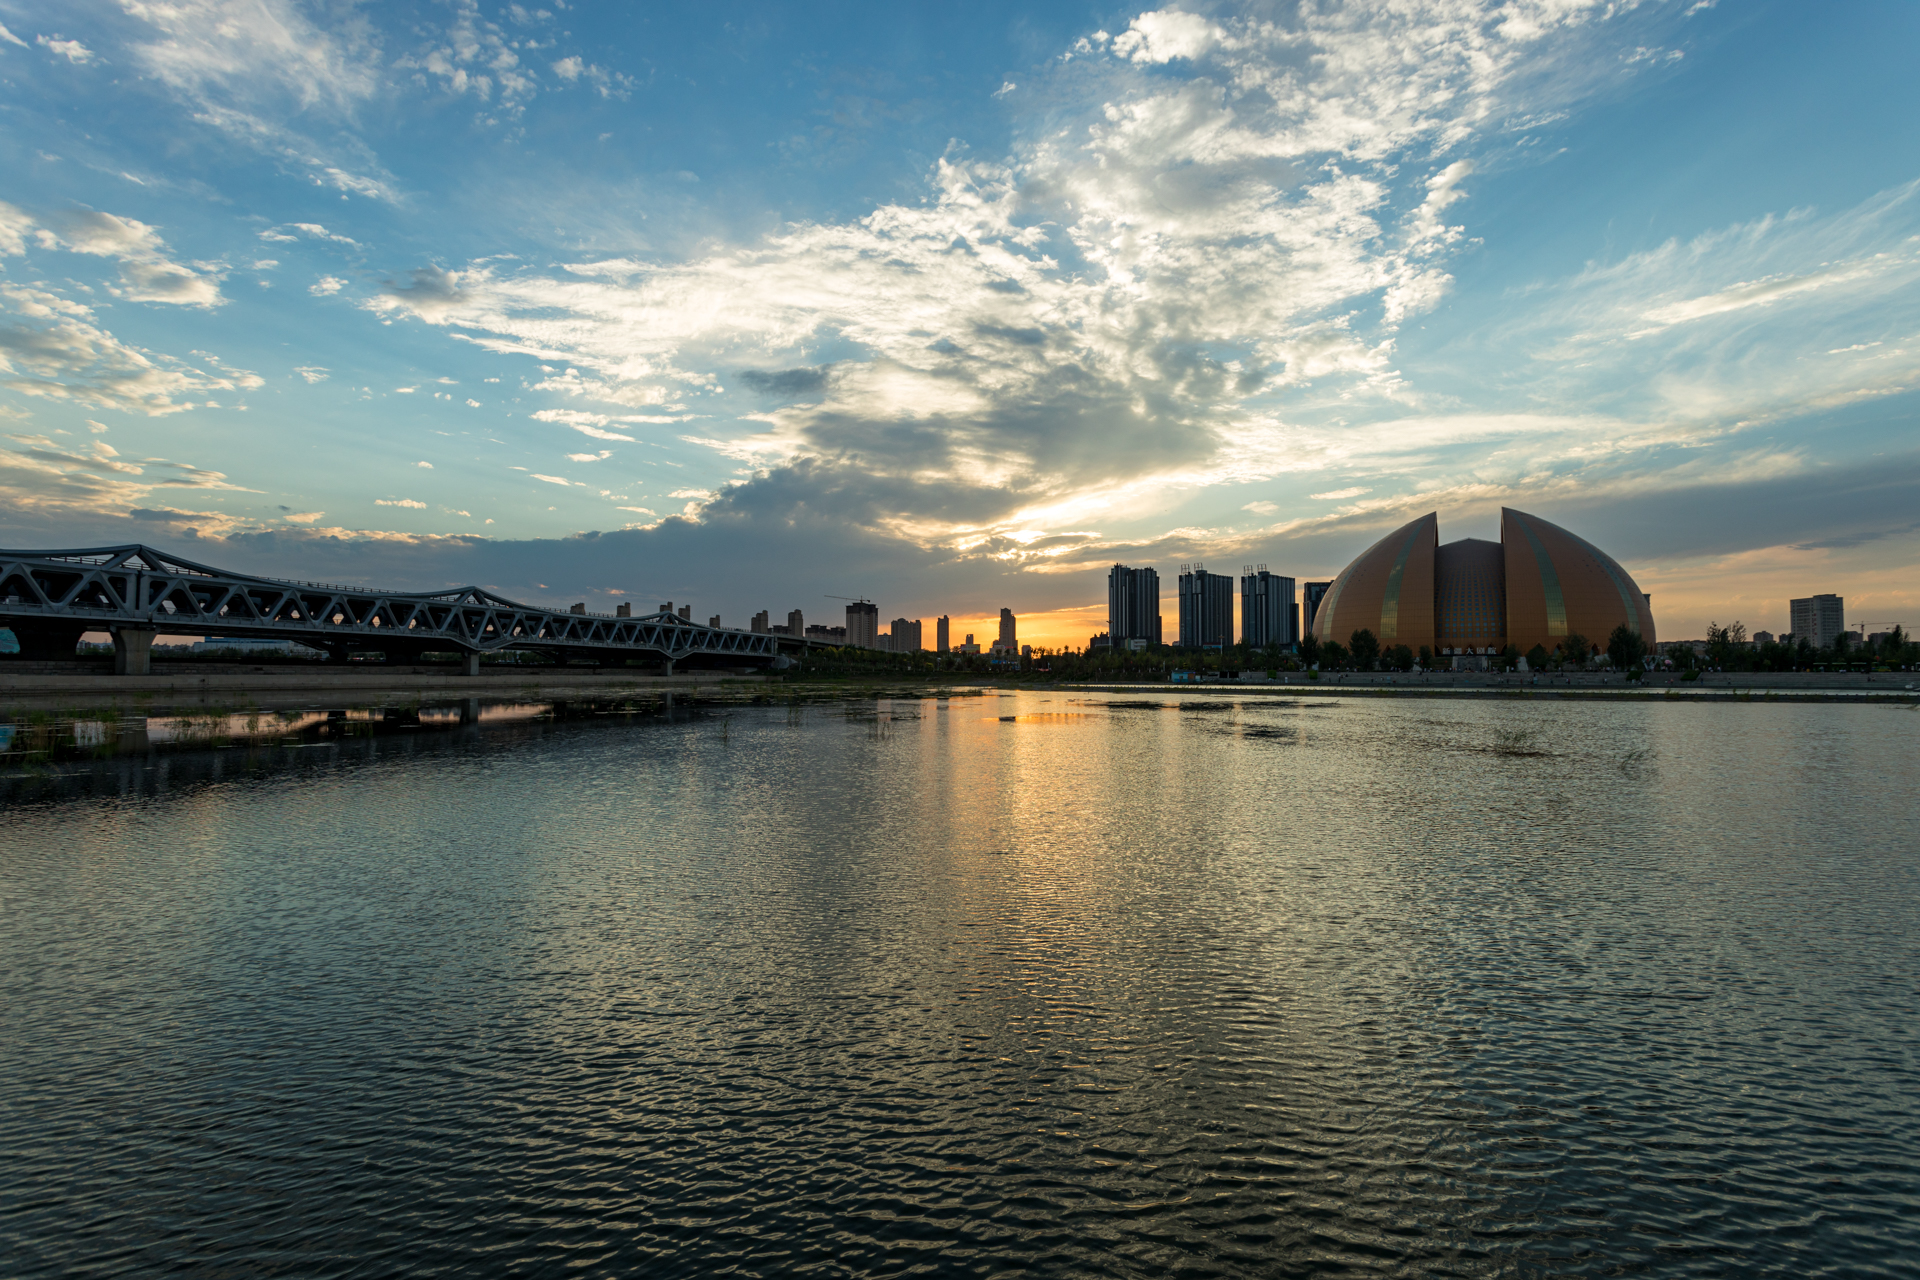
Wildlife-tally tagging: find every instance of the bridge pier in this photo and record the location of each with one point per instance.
(133, 652)
(471, 664)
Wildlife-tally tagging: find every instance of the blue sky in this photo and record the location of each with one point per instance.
(952, 306)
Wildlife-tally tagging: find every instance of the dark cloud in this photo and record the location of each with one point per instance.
(788, 384)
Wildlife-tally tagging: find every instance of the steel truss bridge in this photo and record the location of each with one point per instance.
(51, 598)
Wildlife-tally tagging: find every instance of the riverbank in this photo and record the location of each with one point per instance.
(190, 686)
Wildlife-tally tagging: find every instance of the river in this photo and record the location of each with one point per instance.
(1042, 982)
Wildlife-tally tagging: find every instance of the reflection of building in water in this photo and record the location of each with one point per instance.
(1539, 585)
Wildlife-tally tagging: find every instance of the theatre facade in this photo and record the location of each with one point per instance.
(1538, 585)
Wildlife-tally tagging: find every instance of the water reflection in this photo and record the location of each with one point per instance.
(1106, 985)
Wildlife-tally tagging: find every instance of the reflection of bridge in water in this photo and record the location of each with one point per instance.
(51, 598)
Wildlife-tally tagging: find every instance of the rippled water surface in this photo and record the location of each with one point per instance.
(1024, 983)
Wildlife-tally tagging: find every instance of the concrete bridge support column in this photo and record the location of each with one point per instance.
(133, 652)
(472, 666)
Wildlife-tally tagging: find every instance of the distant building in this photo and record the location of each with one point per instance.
(1206, 608)
(1267, 610)
(1101, 641)
(796, 625)
(1311, 593)
(686, 613)
(714, 622)
(759, 624)
(967, 646)
(863, 624)
(1819, 620)
(1009, 640)
(940, 634)
(906, 635)
(1763, 637)
(624, 609)
(827, 635)
(1133, 605)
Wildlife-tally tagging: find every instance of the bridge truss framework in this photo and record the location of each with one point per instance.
(52, 598)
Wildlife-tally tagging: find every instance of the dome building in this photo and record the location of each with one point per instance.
(1536, 586)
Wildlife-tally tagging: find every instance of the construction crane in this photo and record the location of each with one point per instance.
(854, 599)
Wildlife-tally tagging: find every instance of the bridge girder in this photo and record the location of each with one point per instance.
(136, 587)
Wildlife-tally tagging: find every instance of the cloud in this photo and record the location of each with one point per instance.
(409, 503)
(326, 286)
(72, 50)
(427, 465)
(588, 424)
(1239, 217)
(590, 457)
(1261, 508)
(250, 68)
(553, 479)
(55, 349)
(147, 272)
(11, 38)
(1166, 34)
(303, 517)
(1338, 495)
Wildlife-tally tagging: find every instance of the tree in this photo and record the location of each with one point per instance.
(1626, 648)
(1575, 650)
(1400, 658)
(1309, 649)
(1426, 658)
(1537, 657)
(1366, 649)
(1332, 655)
(1510, 656)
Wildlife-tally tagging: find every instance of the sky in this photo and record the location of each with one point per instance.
(750, 306)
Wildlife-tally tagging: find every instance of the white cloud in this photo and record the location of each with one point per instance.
(590, 457)
(312, 373)
(147, 272)
(1241, 217)
(427, 465)
(1166, 34)
(473, 404)
(56, 349)
(408, 503)
(552, 479)
(326, 286)
(250, 68)
(72, 50)
(1260, 508)
(11, 38)
(1338, 495)
(303, 517)
(587, 424)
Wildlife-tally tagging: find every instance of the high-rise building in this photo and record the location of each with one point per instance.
(1311, 593)
(1007, 640)
(759, 623)
(796, 625)
(1266, 608)
(827, 635)
(906, 635)
(1133, 605)
(714, 622)
(1819, 619)
(686, 613)
(940, 634)
(1206, 608)
(863, 624)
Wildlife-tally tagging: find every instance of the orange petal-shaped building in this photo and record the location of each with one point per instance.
(1536, 586)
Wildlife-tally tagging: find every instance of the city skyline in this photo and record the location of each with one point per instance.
(953, 310)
